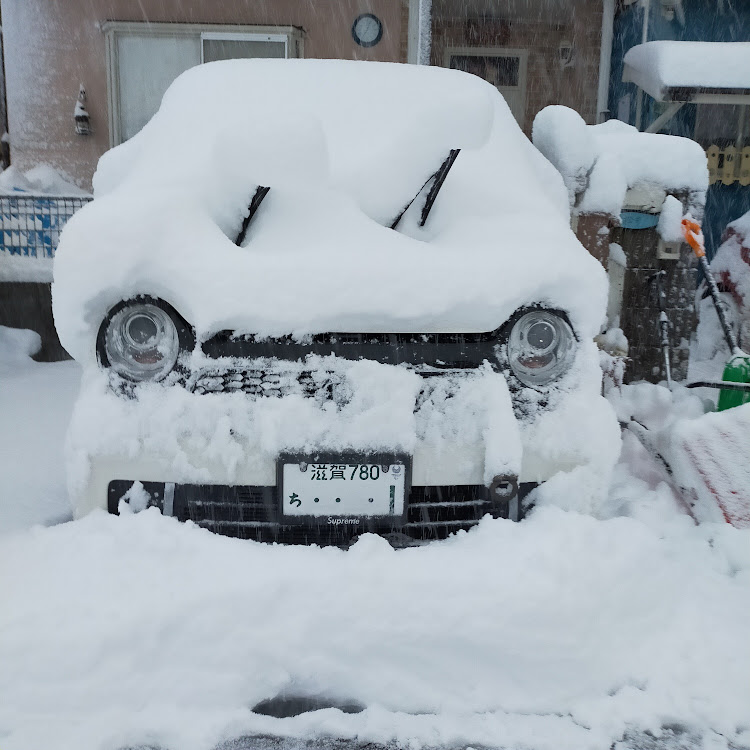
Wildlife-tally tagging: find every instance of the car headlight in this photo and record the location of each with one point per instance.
(540, 347)
(141, 342)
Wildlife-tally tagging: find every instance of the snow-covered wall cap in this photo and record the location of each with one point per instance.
(658, 67)
(561, 134)
(599, 163)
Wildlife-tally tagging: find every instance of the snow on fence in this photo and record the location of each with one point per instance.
(30, 227)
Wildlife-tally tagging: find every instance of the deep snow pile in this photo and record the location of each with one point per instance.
(320, 255)
(36, 401)
(17, 345)
(558, 633)
(662, 65)
(599, 163)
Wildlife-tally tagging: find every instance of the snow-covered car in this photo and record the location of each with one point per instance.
(317, 298)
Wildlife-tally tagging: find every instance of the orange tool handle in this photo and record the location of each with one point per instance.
(694, 236)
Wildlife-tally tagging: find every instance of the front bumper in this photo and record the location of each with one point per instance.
(254, 512)
(459, 430)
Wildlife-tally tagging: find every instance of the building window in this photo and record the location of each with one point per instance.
(144, 59)
(504, 68)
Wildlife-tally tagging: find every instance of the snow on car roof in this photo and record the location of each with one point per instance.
(374, 129)
(344, 146)
(659, 66)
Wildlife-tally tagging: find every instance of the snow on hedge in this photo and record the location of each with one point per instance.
(662, 65)
(344, 146)
(599, 163)
(42, 179)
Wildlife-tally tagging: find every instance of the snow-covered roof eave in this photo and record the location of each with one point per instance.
(697, 72)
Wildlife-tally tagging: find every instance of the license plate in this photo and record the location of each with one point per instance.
(354, 487)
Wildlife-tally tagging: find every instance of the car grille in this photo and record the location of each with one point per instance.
(253, 513)
(440, 350)
(321, 385)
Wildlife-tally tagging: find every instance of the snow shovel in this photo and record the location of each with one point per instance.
(737, 369)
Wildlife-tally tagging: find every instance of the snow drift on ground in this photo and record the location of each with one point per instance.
(559, 633)
(658, 66)
(599, 163)
(320, 255)
(36, 401)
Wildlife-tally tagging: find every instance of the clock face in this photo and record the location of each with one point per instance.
(367, 30)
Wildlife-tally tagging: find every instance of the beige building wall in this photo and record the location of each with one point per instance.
(52, 46)
(539, 26)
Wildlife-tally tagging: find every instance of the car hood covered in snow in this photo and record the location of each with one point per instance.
(344, 147)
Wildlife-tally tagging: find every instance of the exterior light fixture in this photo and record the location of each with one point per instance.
(566, 54)
(667, 11)
(81, 115)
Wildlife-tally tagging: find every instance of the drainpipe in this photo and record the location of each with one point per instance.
(419, 32)
(4, 137)
(605, 59)
(646, 14)
(646, 5)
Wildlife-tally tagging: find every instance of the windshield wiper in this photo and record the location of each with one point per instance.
(438, 180)
(257, 199)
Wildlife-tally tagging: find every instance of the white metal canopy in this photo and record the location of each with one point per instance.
(689, 72)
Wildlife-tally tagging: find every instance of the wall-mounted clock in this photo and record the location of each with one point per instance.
(367, 30)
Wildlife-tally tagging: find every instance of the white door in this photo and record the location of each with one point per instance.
(504, 68)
